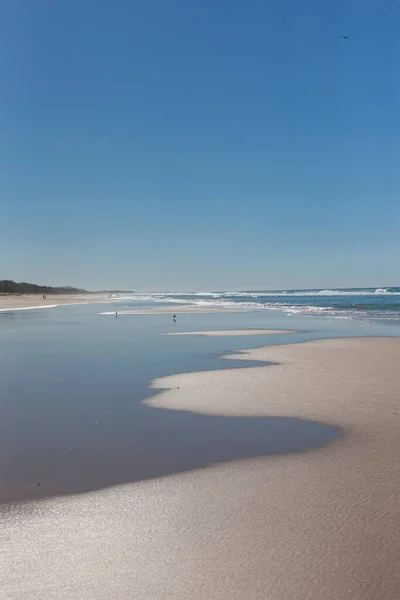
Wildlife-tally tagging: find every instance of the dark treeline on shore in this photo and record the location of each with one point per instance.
(11, 287)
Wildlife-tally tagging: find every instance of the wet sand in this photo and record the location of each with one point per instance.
(316, 524)
(28, 301)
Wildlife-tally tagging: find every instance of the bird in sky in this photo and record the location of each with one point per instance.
(345, 37)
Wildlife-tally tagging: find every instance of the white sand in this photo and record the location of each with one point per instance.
(30, 301)
(234, 332)
(321, 525)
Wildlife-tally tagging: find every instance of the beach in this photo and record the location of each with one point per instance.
(318, 523)
(28, 301)
(200, 301)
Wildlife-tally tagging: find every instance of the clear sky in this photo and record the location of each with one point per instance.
(200, 144)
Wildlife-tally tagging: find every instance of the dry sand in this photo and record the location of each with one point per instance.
(321, 525)
(234, 332)
(29, 301)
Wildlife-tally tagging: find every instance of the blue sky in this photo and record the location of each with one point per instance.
(187, 144)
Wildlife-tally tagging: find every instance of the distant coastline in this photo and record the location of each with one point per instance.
(9, 287)
(27, 296)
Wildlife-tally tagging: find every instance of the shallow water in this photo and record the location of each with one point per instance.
(72, 419)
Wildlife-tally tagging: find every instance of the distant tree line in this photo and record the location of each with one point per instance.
(11, 287)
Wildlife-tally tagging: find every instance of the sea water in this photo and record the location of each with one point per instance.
(366, 304)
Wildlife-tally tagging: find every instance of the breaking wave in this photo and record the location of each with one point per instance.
(364, 303)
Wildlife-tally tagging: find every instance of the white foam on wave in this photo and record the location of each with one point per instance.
(209, 294)
(309, 311)
(156, 297)
(378, 291)
(285, 293)
(286, 301)
(194, 297)
(228, 304)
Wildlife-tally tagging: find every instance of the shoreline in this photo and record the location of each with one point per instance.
(13, 302)
(331, 512)
(288, 355)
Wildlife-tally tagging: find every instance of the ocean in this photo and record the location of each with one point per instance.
(366, 304)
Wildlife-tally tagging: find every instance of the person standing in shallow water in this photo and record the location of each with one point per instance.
(116, 315)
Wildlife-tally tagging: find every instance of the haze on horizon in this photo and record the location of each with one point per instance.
(180, 146)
